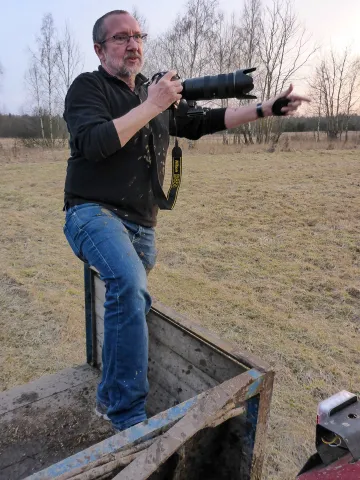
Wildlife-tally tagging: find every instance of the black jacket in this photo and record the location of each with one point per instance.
(99, 169)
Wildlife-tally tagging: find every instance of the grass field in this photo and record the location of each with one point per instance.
(262, 248)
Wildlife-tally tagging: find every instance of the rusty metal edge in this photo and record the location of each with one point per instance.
(253, 380)
(236, 390)
(258, 453)
(133, 435)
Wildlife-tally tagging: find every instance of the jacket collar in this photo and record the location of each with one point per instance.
(140, 79)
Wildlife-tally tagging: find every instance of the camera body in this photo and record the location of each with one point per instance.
(237, 84)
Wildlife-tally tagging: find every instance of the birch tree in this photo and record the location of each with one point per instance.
(42, 77)
(34, 85)
(53, 66)
(69, 62)
(47, 62)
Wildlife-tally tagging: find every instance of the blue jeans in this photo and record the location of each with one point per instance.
(123, 253)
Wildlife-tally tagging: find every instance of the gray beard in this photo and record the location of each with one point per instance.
(128, 72)
(122, 70)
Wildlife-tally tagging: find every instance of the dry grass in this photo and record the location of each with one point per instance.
(289, 142)
(261, 248)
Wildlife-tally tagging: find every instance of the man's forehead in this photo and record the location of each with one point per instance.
(121, 23)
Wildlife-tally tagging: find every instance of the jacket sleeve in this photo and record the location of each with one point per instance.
(195, 127)
(87, 114)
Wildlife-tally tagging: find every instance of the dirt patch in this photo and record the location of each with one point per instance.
(49, 430)
(27, 397)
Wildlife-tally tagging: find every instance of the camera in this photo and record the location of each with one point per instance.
(237, 84)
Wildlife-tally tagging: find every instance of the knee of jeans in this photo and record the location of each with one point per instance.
(132, 287)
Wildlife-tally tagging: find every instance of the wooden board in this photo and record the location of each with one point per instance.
(179, 361)
(184, 359)
(44, 387)
(184, 432)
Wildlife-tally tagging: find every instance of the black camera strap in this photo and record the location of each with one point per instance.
(166, 202)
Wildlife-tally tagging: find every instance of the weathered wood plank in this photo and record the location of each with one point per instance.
(99, 311)
(45, 386)
(247, 359)
(203, 356)
(187, 375)
(175, 373)
(258, 453)
(167, 380)
(126, 439)
(232, 391)
(99, 289)
(159, 399)
(99, 346)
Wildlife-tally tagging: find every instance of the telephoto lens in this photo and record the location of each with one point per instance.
(237, 84)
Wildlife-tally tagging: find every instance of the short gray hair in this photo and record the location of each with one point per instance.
(99, 32)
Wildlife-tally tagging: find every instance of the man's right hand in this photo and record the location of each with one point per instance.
(160, 96)
(165, 92)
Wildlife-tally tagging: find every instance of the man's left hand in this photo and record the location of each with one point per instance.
(294, 103)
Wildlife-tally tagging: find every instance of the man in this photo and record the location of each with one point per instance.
(112, 118)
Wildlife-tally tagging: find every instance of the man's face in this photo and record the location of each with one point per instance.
(121, 60)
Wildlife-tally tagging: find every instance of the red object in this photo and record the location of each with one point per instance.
(339, 470)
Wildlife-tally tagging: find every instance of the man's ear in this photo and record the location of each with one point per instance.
(99, 50)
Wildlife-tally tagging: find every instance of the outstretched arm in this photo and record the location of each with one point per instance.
(237, 116)
(219, 119)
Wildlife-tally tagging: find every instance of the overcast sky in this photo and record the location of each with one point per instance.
(330, 22)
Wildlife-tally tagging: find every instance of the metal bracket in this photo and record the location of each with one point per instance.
(344, 424)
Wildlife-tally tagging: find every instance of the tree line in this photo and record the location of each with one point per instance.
(204, 41)
(28, 126)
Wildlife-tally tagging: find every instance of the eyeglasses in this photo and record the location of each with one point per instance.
(122, 38)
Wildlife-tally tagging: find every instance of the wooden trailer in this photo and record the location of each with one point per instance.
(208, 409)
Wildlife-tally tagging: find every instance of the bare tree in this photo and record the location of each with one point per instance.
(250, 26)
(42, 77)
(224, 50)
(284, 48)
(33, 81)
(185, 45)
(163, 53)
(69, 62)
(141, 19)
(203, 41)
(353, 87)
(48, 64)
(53, 67)
(155, 58)
(335, 89)
(150, 47)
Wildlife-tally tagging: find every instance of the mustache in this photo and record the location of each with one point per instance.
(132, 55)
